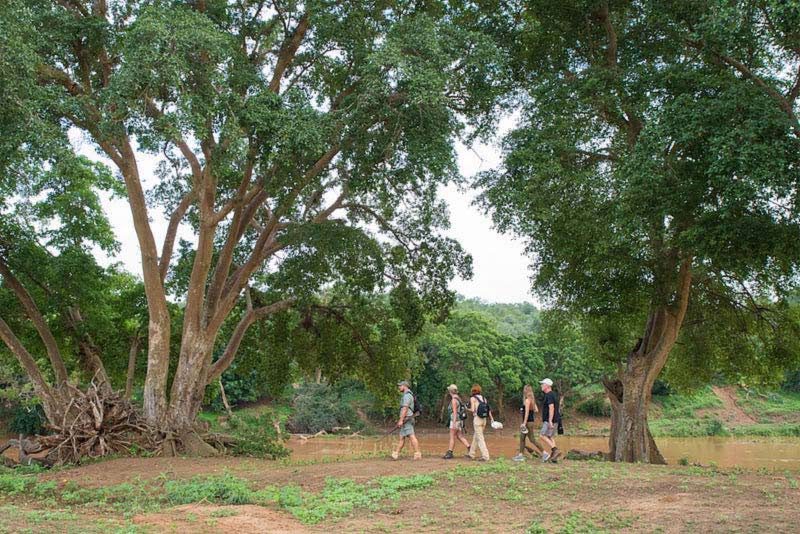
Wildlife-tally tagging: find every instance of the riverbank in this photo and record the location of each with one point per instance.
(378, 495)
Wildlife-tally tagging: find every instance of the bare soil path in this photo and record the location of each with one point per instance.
(733, 414)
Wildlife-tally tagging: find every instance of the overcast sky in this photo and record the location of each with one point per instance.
(500, 267)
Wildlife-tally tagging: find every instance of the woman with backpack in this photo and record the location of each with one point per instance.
(479, 406)
(458, 413)
(527, 430)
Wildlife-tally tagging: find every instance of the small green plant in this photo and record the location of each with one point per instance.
(224, 512)
(535, 528)
(683, 461)
(714, 427)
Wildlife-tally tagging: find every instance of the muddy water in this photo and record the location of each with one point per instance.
(772, 453)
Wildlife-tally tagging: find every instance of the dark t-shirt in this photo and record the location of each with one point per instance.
(550, 399)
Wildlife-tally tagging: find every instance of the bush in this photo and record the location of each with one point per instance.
(28, 420)
(595, 406)
(714, 427)
(320, 407)
(661, 388)
(257, 435)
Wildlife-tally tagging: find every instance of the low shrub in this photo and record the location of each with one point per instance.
(28, 420)
(257, 435)
(321, 407)
(223, 489)
(595, 406)
(714, 427)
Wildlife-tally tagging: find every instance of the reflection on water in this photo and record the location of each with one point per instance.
(755, 452)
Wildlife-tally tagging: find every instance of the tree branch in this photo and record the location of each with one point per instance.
(172, 231)
(25, 359)
(32, 311)
(219, 367)
(288, 52)
(783, 104)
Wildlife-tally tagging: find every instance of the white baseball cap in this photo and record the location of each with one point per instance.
(546, 381)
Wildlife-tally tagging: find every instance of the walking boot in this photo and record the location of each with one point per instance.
(448, 455)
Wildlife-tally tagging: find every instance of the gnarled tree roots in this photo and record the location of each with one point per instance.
(97, 424)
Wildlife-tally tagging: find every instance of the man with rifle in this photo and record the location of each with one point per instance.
(406, 421)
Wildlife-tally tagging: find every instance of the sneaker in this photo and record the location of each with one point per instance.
(482, 459)
(448, 455)
(518, 458)
(545, 457)
(395, 456)
(418, 456)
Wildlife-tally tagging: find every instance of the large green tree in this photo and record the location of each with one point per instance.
(304, 145)
(656, 183)
(468, 349)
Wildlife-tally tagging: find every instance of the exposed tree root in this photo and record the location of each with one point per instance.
(97, 424)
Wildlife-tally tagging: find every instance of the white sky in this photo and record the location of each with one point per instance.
(500, 267)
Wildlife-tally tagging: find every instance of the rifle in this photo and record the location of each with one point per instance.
(391, 431)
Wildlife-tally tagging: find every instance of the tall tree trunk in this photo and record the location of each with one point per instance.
(188, 385)
(630, 391)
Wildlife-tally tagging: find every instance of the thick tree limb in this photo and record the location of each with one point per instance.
(172, 231)
(25, 359)
(32, 311)
(250, 317)
(288, 52)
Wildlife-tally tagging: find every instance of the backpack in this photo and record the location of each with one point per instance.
(462, 411)
(483, 407)
(416, 411)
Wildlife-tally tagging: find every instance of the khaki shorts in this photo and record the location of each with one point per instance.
(407, 429)
(548, 430)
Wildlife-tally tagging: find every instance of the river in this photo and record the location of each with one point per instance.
(749, 452)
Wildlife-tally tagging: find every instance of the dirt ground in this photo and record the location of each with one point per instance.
(531, 497)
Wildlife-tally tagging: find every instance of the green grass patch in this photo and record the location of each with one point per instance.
(592, 523)
(684, 406)
(773, 404)
(338, 498)
(341, 496)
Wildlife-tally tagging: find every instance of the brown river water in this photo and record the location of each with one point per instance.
(749, 452)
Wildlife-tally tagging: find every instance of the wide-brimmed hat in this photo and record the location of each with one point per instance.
(403, 383)
(546, 381)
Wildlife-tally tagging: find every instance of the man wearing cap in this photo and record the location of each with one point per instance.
(406, 421)
(550, 417)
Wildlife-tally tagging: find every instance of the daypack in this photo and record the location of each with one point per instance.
(483, 407)
(462, 410)
(416, 411)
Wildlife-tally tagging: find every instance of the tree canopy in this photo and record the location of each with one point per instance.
(645, 170)
(302, 144)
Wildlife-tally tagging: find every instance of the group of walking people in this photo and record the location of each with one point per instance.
(482, 415)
